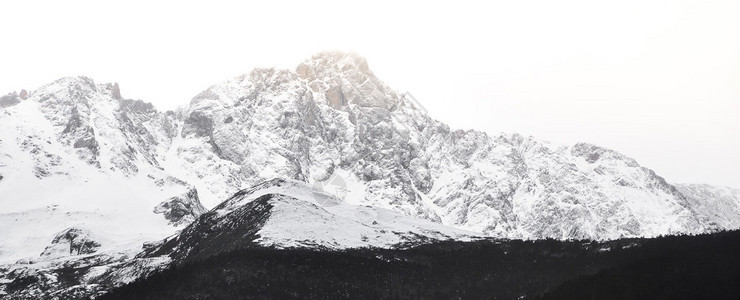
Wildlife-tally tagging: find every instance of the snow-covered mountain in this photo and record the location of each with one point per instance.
(87, 173)
(333, 117)
(74, 154)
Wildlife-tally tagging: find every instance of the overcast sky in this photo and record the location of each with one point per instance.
(656, 80)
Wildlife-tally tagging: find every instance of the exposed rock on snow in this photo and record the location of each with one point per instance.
(181, 210)
(9, 100)
(116, 91)
(72, 241)
(23, 95)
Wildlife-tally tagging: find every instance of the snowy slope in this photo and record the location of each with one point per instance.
(286, 213)
(75, 155)
(721, 205)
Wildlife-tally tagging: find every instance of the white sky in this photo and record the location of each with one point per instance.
(656, 80)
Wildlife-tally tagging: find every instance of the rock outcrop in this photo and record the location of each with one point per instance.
(183, 209)
(72, 241)
(9, 100)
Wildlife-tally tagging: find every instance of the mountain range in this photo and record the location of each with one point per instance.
(324, 156)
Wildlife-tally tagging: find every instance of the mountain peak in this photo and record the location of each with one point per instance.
(77, 89)
(343, 62)
(349, 80)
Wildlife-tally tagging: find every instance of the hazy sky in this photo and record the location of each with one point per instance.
(656, 80)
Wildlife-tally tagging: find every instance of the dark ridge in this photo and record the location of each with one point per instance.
(697, 267)
(212, 235)
(704, 267)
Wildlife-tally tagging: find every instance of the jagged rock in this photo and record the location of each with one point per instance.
(137, 106)
(9, 100)
(335, 97)
(72, 241)
(23, 95)
(181, 209)
(88, 142)
(116, 91)
(198, 125)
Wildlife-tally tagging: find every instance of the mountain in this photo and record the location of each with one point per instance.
(333, 117)
(74, 154)
(88, 177)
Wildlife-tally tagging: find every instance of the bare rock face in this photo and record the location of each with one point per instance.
(72, 241)
(23, 95)
(336, 98)
(116, 91)
(9, 100)
(198, 125)
(181, 209)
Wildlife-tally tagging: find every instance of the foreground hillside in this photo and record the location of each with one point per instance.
(697, 267)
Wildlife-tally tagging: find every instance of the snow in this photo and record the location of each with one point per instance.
(117, 207)
(298, 219)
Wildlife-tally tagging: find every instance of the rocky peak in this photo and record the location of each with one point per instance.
(9, 100)
(116, 91)
(72, 241)
(79, 90)
(182, 209)
(334, 62)
(592, 153)
(23, 95)
(346, 78)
